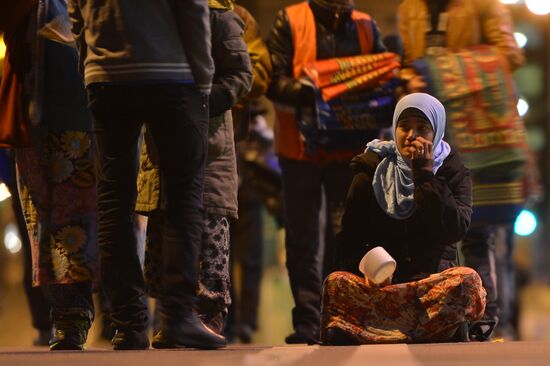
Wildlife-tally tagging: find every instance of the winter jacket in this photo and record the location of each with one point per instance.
(232, 81)
(285, 89)
(261, 68)
(470, 23)
(257, 50)
(143, 41)
(419, 243)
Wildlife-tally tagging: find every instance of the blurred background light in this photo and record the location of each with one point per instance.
(526, 223)
(539, 7)
(509, 1)
(523, 107)
(12, 242)
(4, 192)
(2, 48)
(521, 39)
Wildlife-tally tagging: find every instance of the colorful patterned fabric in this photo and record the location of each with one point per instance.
(349, 121)
(477, 90)
(354, 97)
(58, 195)
(213, 288)
(429, 310)
(338, 76)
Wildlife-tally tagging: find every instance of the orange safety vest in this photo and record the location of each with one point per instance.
(288, 140)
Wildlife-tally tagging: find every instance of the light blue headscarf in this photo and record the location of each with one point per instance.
(393, 181)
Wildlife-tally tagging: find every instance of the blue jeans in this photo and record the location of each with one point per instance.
(177, 116)
(302, 189)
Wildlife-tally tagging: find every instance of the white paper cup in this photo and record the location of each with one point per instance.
(377, 265)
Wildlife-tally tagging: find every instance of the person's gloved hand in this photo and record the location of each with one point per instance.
(220, 100)
(307, 95)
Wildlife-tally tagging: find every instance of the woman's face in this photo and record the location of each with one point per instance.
(408, 130)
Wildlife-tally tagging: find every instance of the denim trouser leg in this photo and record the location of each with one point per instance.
(177, 116)
(302, 202)
(478, 249)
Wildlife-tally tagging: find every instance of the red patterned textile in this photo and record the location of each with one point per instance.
(428, 310)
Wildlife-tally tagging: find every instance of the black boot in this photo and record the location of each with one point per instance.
(129, 339)
(72, 313)
(71, 327)
(187, 331)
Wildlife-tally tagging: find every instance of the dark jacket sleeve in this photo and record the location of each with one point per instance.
(233, 77)
(351, 239)
(445, 200)
(377, 43)
(194, 26)
(284, 88)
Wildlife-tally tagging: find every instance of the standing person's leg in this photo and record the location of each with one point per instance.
(179, 129)
(337, 178)
(247, 236)
(214, 283)
(478, 249)
(506, 284)
(58, 196)
(38, 304)
(116, 111)
(302, 202)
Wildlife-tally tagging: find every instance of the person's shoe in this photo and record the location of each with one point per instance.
(71, 329)
(187, 331)
(481, 330)
(43, 338)
(337, 337)
(297, 338)
(70, 336)
(107, 331)
(245, 333)
(215, 323)
(130, 340)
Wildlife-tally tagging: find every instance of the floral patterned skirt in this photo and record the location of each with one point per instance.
(429, 310)
(57, 189)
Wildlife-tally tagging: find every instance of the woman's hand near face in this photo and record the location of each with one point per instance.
(423, 149)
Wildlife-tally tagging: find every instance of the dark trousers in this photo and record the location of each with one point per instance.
(177, 116)
(303, 184)
(247, 250)
(478, 249)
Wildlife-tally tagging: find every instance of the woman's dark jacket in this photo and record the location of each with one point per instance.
(419, 243)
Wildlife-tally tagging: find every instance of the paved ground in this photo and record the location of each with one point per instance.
(486, 354)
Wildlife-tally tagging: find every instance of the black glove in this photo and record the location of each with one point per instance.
(307, 96)
(220, 100)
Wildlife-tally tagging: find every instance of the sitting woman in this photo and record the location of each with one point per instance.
(413, 197)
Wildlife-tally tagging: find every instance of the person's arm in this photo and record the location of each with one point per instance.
(448, 211)
(414, 81)
(353, 236)
(498, 30)
(78, 30)
(377, 43)
(403, 27)
(194, 26)
(284, 88)
(258, 52)
(233, 78)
